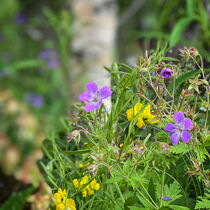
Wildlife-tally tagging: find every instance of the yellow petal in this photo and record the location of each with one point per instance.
(76, 183)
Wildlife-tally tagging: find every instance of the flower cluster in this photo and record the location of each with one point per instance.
(62, 202)
(144, 115)
(87, 189)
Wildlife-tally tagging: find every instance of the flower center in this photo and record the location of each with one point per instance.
(96, 97)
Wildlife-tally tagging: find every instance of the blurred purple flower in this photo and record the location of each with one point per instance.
(46, 54)
(6, 57)
(20, 18)
(53, 63)
(94, 96)
(50, 56)
(179, 129)
(35, 100)
(166, 73)
(166, 198)
(153, 74)
(1, 37)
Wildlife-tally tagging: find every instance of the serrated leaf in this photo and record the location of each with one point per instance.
(127, 166)
(178, 29)
(204, 203)
(180, 148)
(201, 154)
(173, 191)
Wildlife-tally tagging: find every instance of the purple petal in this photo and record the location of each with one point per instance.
(166, 198)
(179, 117)
(166, 73)
(175, 138)
(185, 136)
(86, 96)
(170, 128)
(92, 106)
(188, 124)
(105, 92)
(92, 87)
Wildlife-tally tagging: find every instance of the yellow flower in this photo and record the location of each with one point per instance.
(76, 183)
(70, 204)
(145, 116)
(63, 203)
(84, 180)
(88, 189)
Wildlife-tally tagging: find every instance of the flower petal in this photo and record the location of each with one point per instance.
(175, 138)
(170, 128)
(92, 87)
(179, 117)
(185, 136)
(86, 96)
(105, 92)
(188, 124)
(92, 106)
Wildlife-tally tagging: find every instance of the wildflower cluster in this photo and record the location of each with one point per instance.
(132, 162)
(144, 115)
(87, 188)
(62, 202)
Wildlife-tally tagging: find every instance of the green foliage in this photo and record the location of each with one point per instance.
(17, 200)
(178, 30)
(204, 203)
(179, 148)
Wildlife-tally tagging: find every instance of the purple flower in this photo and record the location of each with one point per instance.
(179, 129)
(20, 18)
(50, 56)
(166, 198)
(94, 96)
(1, 37)
(35, 100)
(166, 73)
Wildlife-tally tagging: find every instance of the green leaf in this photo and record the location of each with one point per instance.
(180, 148)
(114, 179)
(137, 208)
(201, 154)
(25, 64)
(145, 202)
(17, 200)
(76, 152)
(182, 79)
(175, 207)
(204, 203)
(178, 30)
(127, 166)
(173, 191)
(151, 190)
(130, 201)
(190, 7)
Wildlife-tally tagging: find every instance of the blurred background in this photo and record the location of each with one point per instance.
(50, 48)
